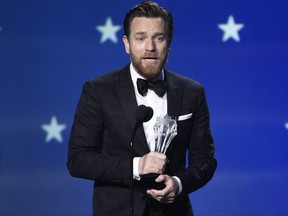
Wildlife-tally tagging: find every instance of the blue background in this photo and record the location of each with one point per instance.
(48, 49)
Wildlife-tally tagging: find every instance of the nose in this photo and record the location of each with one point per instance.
(150, 45)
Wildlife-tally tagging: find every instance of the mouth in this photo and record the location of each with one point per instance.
(150, 60)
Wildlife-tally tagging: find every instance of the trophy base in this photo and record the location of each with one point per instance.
(148, 181)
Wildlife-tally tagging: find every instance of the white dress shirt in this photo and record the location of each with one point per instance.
(159, 106)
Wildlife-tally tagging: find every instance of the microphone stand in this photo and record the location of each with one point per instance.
(138, 123)
(143, 114)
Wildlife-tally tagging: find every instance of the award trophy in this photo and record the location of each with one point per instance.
(165, 129)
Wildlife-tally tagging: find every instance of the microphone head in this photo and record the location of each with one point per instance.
(143, 113)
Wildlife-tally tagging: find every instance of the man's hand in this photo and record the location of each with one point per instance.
(169, 193)
(153, 162)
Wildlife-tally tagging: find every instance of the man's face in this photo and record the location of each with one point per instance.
(147, 45)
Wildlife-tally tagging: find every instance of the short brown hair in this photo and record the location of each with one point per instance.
(149, 9)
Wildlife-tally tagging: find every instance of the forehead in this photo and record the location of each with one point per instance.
(147, 25)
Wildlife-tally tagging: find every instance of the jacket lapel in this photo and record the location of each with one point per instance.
(174, 100)
(125, 92)
(174, 95)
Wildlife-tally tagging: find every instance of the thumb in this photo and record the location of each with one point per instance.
(160, 178)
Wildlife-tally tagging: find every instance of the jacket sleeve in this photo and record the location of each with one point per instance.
(85, 156)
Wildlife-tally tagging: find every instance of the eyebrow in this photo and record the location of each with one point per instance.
(140, 33)
(155, 35)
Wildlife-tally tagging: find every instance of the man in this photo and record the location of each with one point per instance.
(99, 147)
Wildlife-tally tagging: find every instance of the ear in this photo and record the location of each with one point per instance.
(126, 44)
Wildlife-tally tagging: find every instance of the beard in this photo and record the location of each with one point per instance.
(152, 71)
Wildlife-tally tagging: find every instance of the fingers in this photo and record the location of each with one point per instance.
(161, 178)
(169, 193)
(163, 199)
(152, 162)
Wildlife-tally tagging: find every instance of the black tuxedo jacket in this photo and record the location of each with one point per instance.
(99, 146)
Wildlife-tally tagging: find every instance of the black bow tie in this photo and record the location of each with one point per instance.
(158, 86)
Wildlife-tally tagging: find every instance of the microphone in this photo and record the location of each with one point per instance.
(143, 114)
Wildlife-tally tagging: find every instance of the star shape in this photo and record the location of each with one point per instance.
(286, 125)
(109, 31)
(53, 130)
(231, 29)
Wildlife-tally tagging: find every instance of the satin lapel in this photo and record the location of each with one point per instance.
(126, 94)
(174, 100)
(174, 95)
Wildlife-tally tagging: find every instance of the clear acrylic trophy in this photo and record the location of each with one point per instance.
(165, 129)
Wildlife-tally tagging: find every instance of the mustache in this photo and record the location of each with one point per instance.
(150, 56)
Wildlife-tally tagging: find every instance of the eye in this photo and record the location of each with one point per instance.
(159, 38)
(140, 38)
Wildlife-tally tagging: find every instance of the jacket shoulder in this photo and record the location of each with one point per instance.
(183, 81)
(110, 77)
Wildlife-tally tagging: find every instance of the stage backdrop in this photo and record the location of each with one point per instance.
(237, 49)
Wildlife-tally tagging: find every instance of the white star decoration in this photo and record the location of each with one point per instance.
(53, 130)
(109, 31)
(231, 29)
(286, 125)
